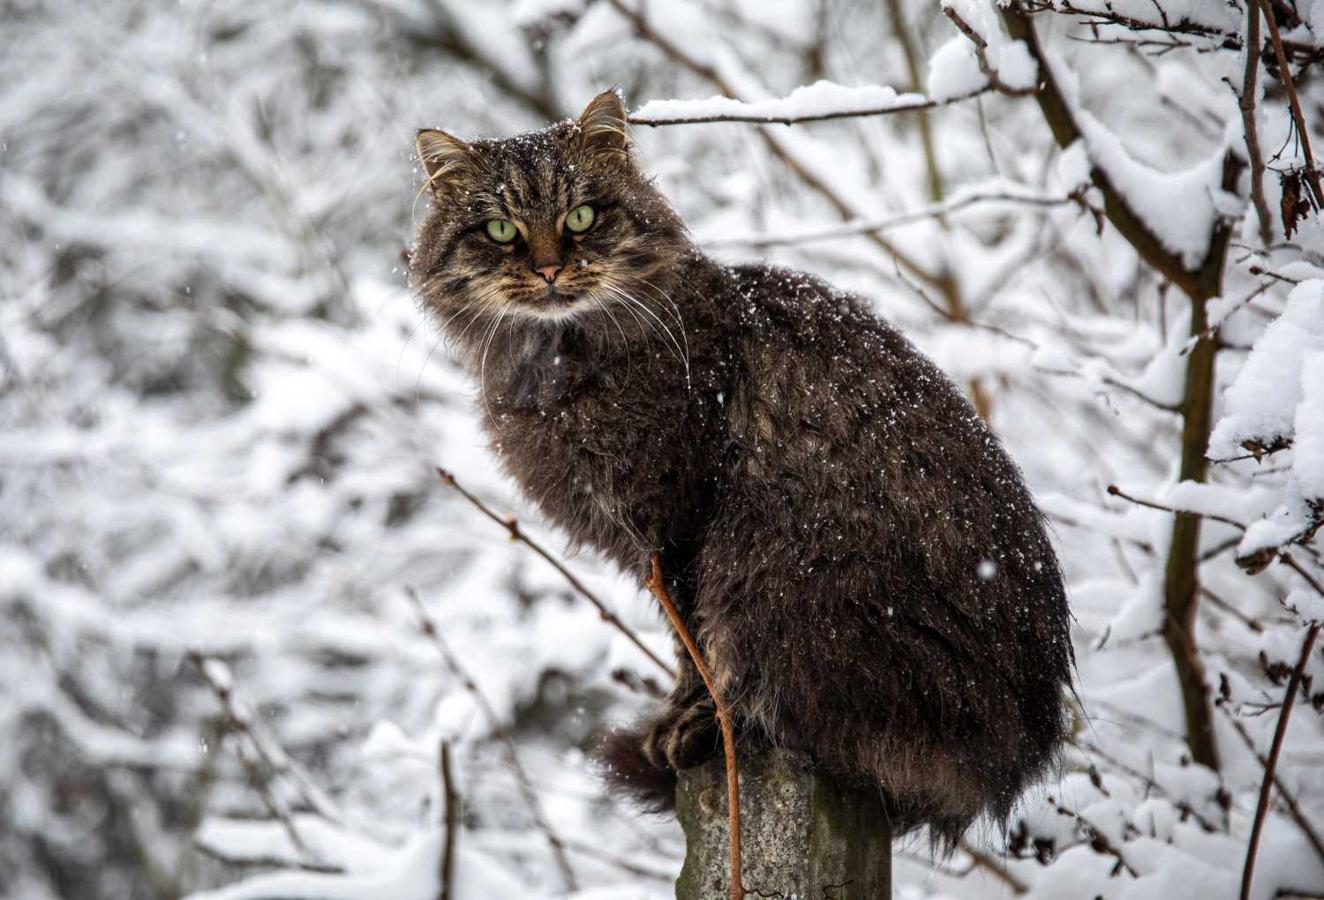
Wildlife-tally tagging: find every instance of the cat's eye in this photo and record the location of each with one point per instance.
(501, 230)
(580, 219)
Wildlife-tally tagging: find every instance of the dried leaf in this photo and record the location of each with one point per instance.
(1295, 207)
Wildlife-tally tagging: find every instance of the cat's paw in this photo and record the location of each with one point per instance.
(684, 738)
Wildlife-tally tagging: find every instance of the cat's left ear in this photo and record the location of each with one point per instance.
(603, 125)
(443, 156)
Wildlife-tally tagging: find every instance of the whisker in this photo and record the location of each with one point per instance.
(681, 356)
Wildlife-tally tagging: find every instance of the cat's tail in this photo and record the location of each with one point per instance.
(629, 772)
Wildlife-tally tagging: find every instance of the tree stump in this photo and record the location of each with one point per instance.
(804, 837)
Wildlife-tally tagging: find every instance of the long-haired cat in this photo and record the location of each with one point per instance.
(857, 556)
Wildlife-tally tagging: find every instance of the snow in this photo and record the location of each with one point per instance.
(1178, 207)
(409, 873)
(822, 98)
(1262, 403)
(1308, 425)
(220, 408)
(954, 70)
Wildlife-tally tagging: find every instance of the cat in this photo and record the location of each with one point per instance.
(859, 559)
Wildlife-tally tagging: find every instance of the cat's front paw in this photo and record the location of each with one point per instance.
(684, 737)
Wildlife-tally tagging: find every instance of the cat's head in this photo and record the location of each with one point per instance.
(544, 227)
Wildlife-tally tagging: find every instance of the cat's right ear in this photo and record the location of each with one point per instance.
(443, 156)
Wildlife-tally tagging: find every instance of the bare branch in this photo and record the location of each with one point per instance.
(1280, 732)
(1294, 810)
(985, 861)
(868, 226)
(522, 780)
(1246, 102)
(450, 817)
(511, 524)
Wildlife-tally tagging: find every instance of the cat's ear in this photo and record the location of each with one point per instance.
(443, 156)
(602, 124)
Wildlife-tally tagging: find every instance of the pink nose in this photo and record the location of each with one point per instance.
(548, 272)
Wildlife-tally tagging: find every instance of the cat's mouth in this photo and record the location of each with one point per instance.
(550, 303)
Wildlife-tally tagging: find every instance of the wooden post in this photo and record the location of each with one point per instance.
(803, 835)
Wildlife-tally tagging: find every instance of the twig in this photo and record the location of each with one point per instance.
(1247, 105)
(450, 821)
(1115, 491)
(985, 861)
(1294, 103)
(905, 39)
(1294, 810)
(238, 723)
(611, 859)
(658, 586)
(981, 53)
(1270, 767)
(1182, 806)
(1098, 841)
(867, 226)
(511, 524)
(525, 785)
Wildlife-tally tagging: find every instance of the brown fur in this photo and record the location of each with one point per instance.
(862, 565)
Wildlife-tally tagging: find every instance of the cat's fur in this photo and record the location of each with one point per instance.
(859, 559)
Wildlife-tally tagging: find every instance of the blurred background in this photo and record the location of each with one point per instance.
(222, 536)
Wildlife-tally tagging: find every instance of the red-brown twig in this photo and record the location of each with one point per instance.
(1294, 810)
(511, 524)
(658, 586)
(1280, 732)
(522, 780)
(450, 821)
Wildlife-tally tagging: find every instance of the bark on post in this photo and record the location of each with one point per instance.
(803, 836)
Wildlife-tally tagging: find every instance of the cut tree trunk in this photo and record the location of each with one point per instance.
(803, 836)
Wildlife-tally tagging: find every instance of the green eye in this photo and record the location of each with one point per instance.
(580, 219)
(501, 230)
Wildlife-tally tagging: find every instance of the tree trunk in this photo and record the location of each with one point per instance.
(803, 835)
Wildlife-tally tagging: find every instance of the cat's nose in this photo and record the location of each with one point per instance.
(549, 272)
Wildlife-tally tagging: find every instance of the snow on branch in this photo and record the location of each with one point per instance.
(817, 102)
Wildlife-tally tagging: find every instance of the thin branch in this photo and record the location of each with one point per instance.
(1270, 767)
(450, 822)
(1098, 841)
(985, 861)
(1228, 608)
(910, 53)
(1246, 103)
(658, 586)
(611, 859)
(1115, 491)
(511, 524)
(867, 226)
(981, 53)
(918, 105)
(239, 724)
(1294, 810)
(1182, 806)
(522, 780)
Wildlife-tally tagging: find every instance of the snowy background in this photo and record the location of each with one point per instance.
(220, 413)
